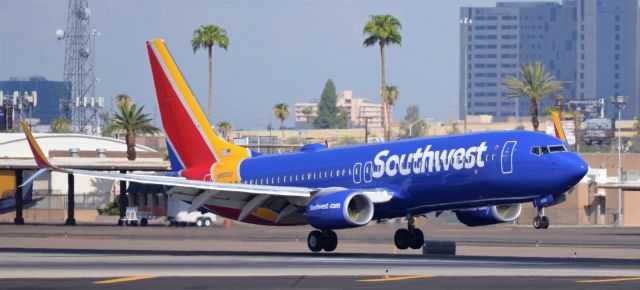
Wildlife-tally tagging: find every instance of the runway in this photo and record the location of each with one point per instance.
(55, 257)
(84, 269)
(47, 263)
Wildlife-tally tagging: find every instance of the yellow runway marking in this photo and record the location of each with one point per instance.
(398, 278)
(609, 280)
(125, 279)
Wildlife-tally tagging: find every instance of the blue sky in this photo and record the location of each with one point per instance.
(280, 50)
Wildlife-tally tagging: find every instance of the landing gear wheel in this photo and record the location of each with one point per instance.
(402, 239)
(199, 222)
(417, 239)
(544, 222)
(331, 241)
(315, 241)
(537, 221)
(208, 222)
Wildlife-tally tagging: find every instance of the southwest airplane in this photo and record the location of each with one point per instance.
(482, 177)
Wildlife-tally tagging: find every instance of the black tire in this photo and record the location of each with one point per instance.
(126, 222)
(417, 239)
(144, 222)
(315, 241)
(544, 222)
(331, 241)
(134, 223)
(537, 222)
(199, 222)
(183, 224)
(208, 222)
(402, 238)
(120, 223)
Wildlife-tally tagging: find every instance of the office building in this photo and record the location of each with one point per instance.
(590, 44)
(359, 111)
(49, 94)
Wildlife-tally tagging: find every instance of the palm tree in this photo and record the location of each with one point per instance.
(124, 100)
(281, 111)
(383, 30)
(392, 93)
(130, 120)
(534, 83)
(224, 127)
(307, 111)
(60, 125)
(206, 37)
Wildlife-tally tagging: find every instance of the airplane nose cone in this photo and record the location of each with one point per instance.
(575, 169)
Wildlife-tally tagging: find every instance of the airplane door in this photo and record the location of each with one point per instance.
(506, 159)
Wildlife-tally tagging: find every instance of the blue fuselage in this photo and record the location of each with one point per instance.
(430, 174)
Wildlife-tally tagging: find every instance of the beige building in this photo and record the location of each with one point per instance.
(359, 110)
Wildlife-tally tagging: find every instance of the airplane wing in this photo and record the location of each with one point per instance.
(248, 196)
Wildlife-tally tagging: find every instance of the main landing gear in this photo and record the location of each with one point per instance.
(322, 240)
(409, 237)
(541, 221)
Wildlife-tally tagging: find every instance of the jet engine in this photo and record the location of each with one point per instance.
(339, 210)
(489, 215)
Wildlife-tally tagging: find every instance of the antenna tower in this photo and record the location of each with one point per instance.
(82, 106)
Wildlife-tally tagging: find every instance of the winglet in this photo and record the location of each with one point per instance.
(557, 126)
(40, 158)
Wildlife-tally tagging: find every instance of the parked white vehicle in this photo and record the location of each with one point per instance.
(178, 215)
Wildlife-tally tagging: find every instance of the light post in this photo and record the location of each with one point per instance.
(619, 102)
(464, 22)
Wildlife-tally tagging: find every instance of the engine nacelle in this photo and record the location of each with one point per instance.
(339, 210)
(489, 215)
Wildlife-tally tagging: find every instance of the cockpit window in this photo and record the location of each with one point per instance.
(535, 150)
(557, 148)
(544, 150)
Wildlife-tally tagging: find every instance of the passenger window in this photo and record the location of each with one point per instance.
(350, 172)
(535, 150)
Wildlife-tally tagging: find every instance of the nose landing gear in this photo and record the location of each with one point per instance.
(541, 221)
(322, 240)
(409, 237)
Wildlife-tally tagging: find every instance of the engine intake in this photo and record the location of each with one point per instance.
(489, 215)
(339, 210)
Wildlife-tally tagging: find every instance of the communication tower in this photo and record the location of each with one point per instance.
(82, 107)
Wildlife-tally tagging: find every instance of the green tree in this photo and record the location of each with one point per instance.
(383, 30)
(391, 95)
(131, 121)
(533, 83)
(327, 109)
(281, 111)
(123, 100)
(307, 112)
(342, 120)
(224, 128)
(413, 125)
(60, 125)
(206, 37)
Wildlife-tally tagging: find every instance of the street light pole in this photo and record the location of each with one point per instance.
(619, 102)
(464, 23)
